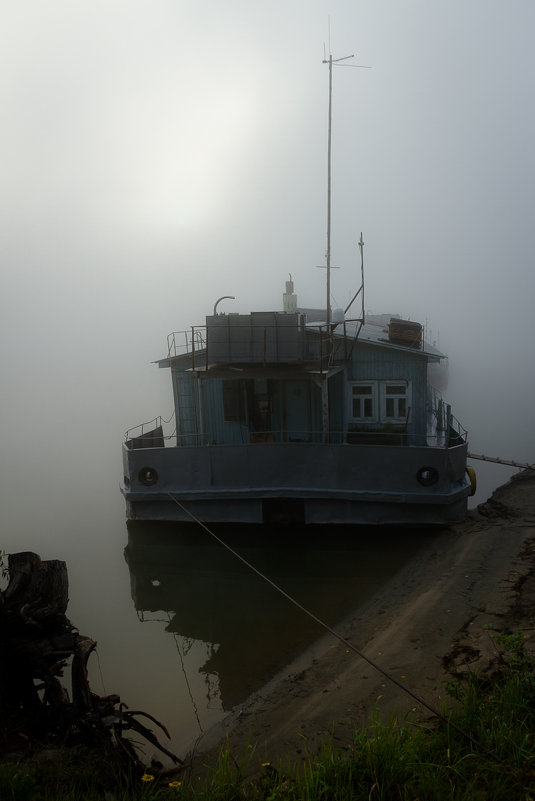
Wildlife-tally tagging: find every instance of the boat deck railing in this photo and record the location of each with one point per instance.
(263, 344)
(442, 422)
(149, 435)
(183, 342)
(142, 428)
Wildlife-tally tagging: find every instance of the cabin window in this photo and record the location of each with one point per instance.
(395, 401)
(233, 401)
(380, 402)
(363, 401)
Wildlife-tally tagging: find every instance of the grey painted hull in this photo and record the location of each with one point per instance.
(297, 482)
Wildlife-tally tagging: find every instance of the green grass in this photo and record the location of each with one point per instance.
(407, 760)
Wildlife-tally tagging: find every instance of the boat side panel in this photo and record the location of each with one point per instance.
(208, 511)
(347, 484)
(390, 514)
(302, 466)
(314, 512)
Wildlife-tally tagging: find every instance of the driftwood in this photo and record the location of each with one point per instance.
(37, 641)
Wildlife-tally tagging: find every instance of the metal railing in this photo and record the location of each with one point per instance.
(333, 343)
(143, 430)
(445, 421)
(391, 438)
(458, 428)
(182, 342)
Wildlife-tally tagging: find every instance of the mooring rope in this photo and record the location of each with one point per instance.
(184, 673)
(336, 634)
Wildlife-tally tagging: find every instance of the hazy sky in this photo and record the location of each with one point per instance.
(157, 154)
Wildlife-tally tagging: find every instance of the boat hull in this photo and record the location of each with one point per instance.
(298, 483)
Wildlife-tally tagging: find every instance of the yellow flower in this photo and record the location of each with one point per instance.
(266, 764)
(147, 777)
(175, 784)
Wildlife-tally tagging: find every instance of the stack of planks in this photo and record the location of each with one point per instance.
(405, 332)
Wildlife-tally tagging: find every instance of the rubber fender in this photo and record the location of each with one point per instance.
(471, 473)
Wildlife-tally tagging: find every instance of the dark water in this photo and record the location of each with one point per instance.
(185, 631)
(226, 631)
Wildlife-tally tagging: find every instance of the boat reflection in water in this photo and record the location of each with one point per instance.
(240, 630)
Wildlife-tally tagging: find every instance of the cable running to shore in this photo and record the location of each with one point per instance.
(335, 634)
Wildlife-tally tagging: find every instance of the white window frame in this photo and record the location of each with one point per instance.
(405, 395)
(364, 396)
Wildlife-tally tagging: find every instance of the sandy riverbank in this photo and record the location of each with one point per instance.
(433, 619)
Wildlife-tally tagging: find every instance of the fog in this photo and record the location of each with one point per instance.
(158, 155)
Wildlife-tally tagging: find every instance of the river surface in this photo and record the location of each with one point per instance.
(223, 630)
(185, 630)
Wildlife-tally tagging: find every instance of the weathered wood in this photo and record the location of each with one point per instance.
(40, 587)
(81, 694)
(36, 642)
(21, 566)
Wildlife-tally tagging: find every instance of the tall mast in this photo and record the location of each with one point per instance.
(330, 61)
(328, 306)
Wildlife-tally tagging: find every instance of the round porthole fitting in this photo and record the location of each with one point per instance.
(148, 476)
(427, 476)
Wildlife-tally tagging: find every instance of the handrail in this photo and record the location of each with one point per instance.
(441, 411)
(397, 438)
(330, 347)
(193, 340)
(144, 427)
(461, 430)
(149, 425)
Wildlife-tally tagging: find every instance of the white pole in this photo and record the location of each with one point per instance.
(329, 193)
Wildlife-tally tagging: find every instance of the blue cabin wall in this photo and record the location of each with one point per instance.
(199, 402)
(371, 363)
(216, 428)
(273, 424)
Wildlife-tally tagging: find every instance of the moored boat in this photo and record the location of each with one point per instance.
(301, 415)
(281, 418)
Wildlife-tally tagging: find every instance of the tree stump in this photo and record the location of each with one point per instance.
(37, 641)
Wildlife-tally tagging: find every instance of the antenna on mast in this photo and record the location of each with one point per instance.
(361, 288)
(336, 62)
(330, 62)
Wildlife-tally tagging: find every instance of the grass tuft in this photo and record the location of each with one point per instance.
(398, 761)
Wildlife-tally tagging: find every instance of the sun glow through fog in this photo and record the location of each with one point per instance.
(177, 163)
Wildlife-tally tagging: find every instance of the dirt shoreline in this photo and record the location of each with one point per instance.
(433, 620)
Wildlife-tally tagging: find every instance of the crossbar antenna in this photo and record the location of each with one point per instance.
(336, 62)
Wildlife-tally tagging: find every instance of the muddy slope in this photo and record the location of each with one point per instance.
(433, 620)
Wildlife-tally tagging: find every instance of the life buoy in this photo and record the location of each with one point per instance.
(427, 476)
(473, 480)
(148, 476)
